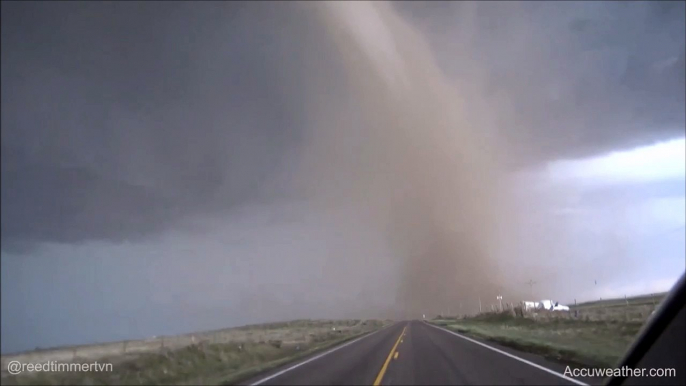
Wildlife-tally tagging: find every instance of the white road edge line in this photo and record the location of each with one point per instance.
(547, 370)
(314, 358)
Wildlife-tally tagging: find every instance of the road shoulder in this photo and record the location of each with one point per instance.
(538, 360)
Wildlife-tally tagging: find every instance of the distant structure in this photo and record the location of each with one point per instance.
(531, 286)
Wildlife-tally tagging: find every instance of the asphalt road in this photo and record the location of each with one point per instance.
(416, 353)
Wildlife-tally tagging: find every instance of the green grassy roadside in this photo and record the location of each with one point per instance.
(569, 341)
(220, 363)
(652, 299)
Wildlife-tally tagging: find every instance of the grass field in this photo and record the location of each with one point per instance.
(652, 299)
(592, 334)
(579, 342)
(254, 349)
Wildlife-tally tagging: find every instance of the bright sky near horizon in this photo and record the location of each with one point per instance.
(658, 162)
(625, 214)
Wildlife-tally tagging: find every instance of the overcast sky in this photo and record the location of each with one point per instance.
(172, 167)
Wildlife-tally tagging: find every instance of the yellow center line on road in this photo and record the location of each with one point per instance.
(379, 377)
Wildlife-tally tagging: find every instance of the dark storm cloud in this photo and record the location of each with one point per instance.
(568, 79)
(118, 119)
(121, 119)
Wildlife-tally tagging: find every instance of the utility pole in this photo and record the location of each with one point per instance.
(479, 304)
(500, 298)
(531, 286)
